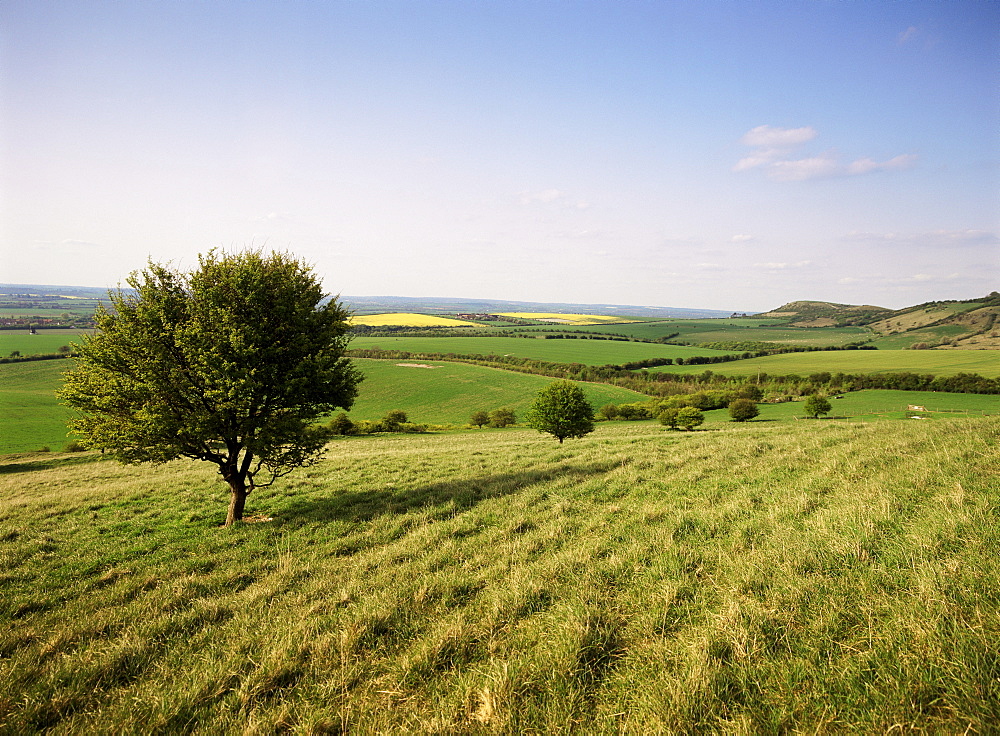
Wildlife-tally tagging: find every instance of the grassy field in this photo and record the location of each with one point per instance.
(46, 341)
(406, 319)
(447, 393)
(739, 330)
(937, 362)
(587, 352)
(808, 577)
(32, 417)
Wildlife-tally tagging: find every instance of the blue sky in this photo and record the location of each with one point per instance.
(727, 155)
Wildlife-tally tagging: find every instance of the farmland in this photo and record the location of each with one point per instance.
(698, 331)
(587, 352)
(801, 577)
(447, 393)
(409, 320)
(937, 362)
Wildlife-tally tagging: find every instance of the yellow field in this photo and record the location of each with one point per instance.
(568, 319)
(408, 319)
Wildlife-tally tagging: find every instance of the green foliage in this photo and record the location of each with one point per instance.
(742, 410)
(341, 425)
(562, 410)
(689, 417)
(479, 419)
(668, 417)
(817, 404)
(608, 412)
(230, 363)
(503, 417)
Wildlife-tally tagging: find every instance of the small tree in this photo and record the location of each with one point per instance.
(608, 411)
(391, 421)
(479, 419)
(668, 417)
(341, 425)
(502, 418)
(231, 363)
(742, 410)
(689, 417)
(562, 410)
(816, 405)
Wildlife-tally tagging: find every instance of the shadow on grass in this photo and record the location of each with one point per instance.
(456, 495)
(45, 463)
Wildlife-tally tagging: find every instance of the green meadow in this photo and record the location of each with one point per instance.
(587, 352)
(799, 577)
(46, 341)
(937, 362)
(447, 393)
(736, 330)
(32, 417)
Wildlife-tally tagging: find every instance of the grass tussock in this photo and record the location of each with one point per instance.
(815, 577)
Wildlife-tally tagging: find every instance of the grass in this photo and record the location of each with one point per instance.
(46, 341)
(32, 417)
(587, 352)
(447, 393)
(407, 319)
(937, 362)
(737, 330)
(808, 577)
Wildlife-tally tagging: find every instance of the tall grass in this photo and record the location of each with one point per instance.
(809, 577)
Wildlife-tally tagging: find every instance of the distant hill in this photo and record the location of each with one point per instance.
(445, 305)
(958, 324)
(827, 314)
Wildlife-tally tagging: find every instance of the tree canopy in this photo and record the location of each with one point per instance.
(231, 363)
(816, 405)
(562, 410)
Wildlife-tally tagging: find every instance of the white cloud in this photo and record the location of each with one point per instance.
(742, 238)
(930, 239)
(782, 266)
(907, 35)
(775, 149)
(765, 136)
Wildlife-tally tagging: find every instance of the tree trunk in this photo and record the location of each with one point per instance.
(237, 501)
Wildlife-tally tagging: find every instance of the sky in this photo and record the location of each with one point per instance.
(714, 154)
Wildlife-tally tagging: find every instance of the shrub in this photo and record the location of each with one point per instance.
(74, 446)
(502, 418)
(341, 425)
(742, 410)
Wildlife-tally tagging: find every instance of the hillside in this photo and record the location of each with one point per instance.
(804, 578)
(967, 324)
(826, 314)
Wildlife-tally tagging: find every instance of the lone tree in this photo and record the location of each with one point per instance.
(479, 419)
(562, 410)
(816, 405)
(689, 417)
(231, 363)
(742, 410)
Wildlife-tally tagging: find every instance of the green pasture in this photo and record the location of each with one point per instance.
(30, 415)
(586, 352)
(873, 405)
(798, 577)
(447, 393)
(735, 330)
(937, 362)
(45, 341)
(929, 335)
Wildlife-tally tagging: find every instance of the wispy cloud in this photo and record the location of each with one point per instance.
(544, 196)
(929, 239)
(776, 152)
(782, 266)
